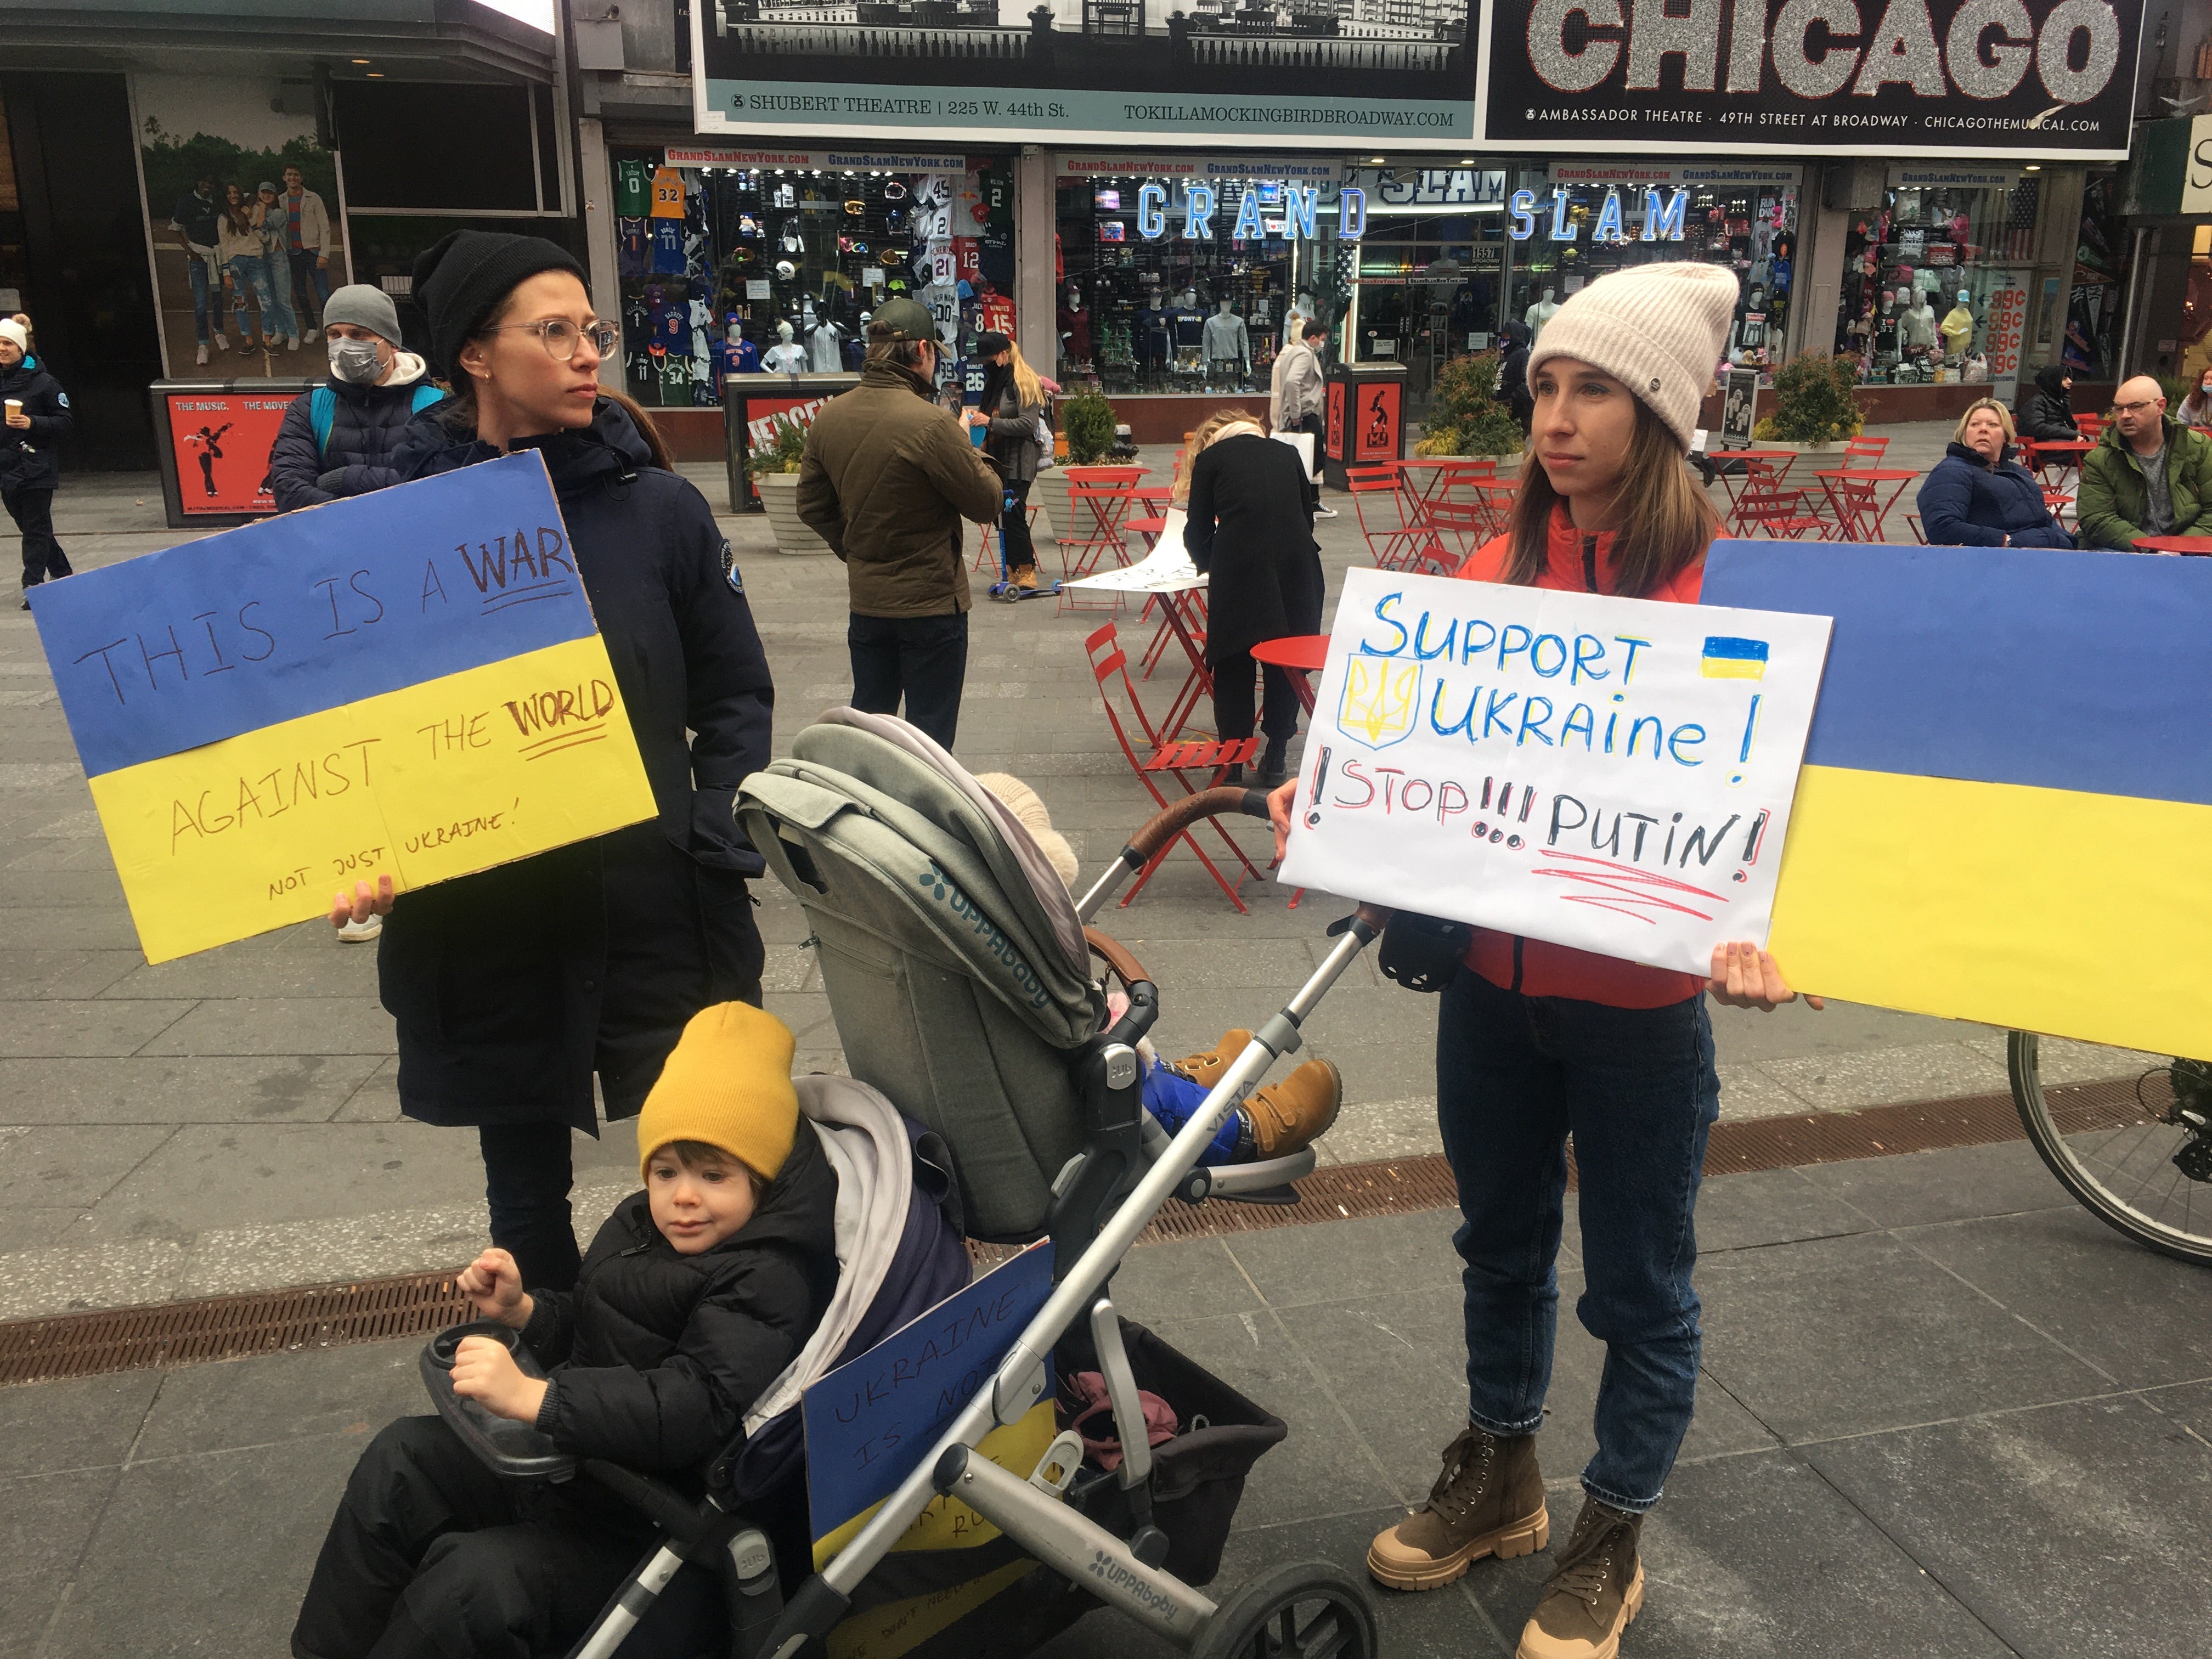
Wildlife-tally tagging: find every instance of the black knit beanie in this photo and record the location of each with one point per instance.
(460, 279)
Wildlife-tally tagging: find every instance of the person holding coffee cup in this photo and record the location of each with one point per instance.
(34, 417)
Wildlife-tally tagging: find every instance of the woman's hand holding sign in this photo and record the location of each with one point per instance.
(362, 903)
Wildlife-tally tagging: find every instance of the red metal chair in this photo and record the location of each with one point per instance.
(986, 557)
(1775, 515)
(1913, 518)
(1170, 759)
(1464, 522)
(1857, 506)
(1391, 537)
(1864, 452)
(2091, 427)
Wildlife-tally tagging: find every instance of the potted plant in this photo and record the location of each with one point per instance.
(774, 469)
(1466, 416)
(1086, 421)
(1813, 407)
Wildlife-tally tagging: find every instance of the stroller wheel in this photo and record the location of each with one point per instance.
(1307, 1610)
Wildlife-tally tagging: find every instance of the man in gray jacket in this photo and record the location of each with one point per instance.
(1301, 392)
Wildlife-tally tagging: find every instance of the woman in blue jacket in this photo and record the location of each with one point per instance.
(1980, 496)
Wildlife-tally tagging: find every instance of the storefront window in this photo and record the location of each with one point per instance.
(2100, 273)
(1145, 305)
(1933, 278)
(742, 269)
(1570, 223)
(1431, 269)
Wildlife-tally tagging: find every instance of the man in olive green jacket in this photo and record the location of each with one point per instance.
(2120, 499)
(887, 479)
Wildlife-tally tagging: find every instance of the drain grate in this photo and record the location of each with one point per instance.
(227, 1328)
(237, 1327)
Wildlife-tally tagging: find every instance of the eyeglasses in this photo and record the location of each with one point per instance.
(559, 336)
(2129, 409)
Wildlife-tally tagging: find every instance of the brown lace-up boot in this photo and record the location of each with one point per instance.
(1595, 1591)
(1488, 1501)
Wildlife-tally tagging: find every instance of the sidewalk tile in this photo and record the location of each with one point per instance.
(72, 1278)
(338, 970)
(27, 1229)
(1755, 1558)
(76, 1030)
(61, 973)
(2133, 1313)
(229, 1586)
(375, 1099)
(278, 1025)
(1374, 1255)
(350, 1392)
(2057, 1526)
(78, 1423)
(1370, 1132)
(1953, 1183)
(2190, 1405)
(68, 1165)
(1195, 1279)
(60, 926)
(46, 1521)
(1875, 1077)
(270, 1089)
(1844, 1335)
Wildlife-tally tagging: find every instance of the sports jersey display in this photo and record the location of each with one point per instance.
(631, 245)
(668, 247)
(633, 189)
(667, 194)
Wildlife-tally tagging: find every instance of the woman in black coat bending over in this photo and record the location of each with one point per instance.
(1249, 529)
(512, 986)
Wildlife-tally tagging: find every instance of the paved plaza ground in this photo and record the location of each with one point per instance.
(1944, 1412)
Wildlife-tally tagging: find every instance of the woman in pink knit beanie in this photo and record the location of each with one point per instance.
(1535, 1041)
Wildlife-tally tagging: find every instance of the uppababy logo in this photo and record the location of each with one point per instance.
(1104, 1567)
(942, 888)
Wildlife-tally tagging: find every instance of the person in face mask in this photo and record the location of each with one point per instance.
(339, 439)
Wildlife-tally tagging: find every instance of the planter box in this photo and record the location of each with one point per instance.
(779, 493)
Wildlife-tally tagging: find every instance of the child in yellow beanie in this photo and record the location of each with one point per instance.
(695, 1296)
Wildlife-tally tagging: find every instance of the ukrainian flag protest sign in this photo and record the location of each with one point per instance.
(1613, 775)
(871, 1421)
(409, 683)
(2006, 803)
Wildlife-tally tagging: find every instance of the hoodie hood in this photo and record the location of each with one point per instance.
(2050, 379)
(406, 369)
(611, 449)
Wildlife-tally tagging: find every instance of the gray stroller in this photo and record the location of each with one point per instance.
(959, 972)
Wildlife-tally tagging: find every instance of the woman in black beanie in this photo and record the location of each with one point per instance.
(512, 987)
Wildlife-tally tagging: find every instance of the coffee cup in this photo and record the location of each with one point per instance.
(14, 406)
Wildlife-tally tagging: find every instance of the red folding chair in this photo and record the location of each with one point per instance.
(1167, 759)
(1451, 522)
(1864, 452)
(1390, 535)
(987, 557)
(1913, 518)
(1857, 506)
(2091, 427)
(1774, 515)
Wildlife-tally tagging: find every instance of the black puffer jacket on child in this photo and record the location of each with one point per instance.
(655, 1356)
(367, 424)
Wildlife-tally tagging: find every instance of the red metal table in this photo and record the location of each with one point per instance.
(1304, 652)
(2059, 456)
(1733, 483)
(2196, 546)
(1851, 526)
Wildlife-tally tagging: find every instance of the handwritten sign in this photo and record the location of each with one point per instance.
(409, 683)
(1613, 775)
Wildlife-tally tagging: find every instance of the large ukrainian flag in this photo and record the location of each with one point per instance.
(2005, 812)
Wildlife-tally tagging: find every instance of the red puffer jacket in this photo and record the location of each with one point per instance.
(1583, 563)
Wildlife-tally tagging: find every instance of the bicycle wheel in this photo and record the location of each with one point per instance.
(2144, 1170)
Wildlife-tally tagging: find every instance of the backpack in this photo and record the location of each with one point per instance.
(323, 409)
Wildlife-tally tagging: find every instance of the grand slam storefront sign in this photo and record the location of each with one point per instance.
(2014, 78)
(2022, 79)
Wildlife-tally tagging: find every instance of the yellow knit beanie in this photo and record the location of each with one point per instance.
(727, 1082)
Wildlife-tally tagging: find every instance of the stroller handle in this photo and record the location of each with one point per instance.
(1157, 832)
(1117, 956)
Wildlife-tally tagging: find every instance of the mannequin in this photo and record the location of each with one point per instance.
(1539, 313)
(1917, 325)
(785, 357)
(1959, 327)
(735, 355)
(825, 348)
(1074, 328)
(1228, 344)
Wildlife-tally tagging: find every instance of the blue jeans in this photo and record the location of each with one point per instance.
(1636, 1089)
(195, 269)
(252, 276)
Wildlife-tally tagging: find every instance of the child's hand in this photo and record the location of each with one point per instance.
(494, 1283)
(483, 1370)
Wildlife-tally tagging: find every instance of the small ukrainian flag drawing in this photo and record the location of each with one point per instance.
(1728, 659)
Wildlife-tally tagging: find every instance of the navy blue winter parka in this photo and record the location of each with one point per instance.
(1966, 502)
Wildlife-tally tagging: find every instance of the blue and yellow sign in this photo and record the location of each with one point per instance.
(408, 683)
(871, 1421)
(2007, 793)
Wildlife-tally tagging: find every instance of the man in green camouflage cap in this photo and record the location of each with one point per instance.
(887, 477)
